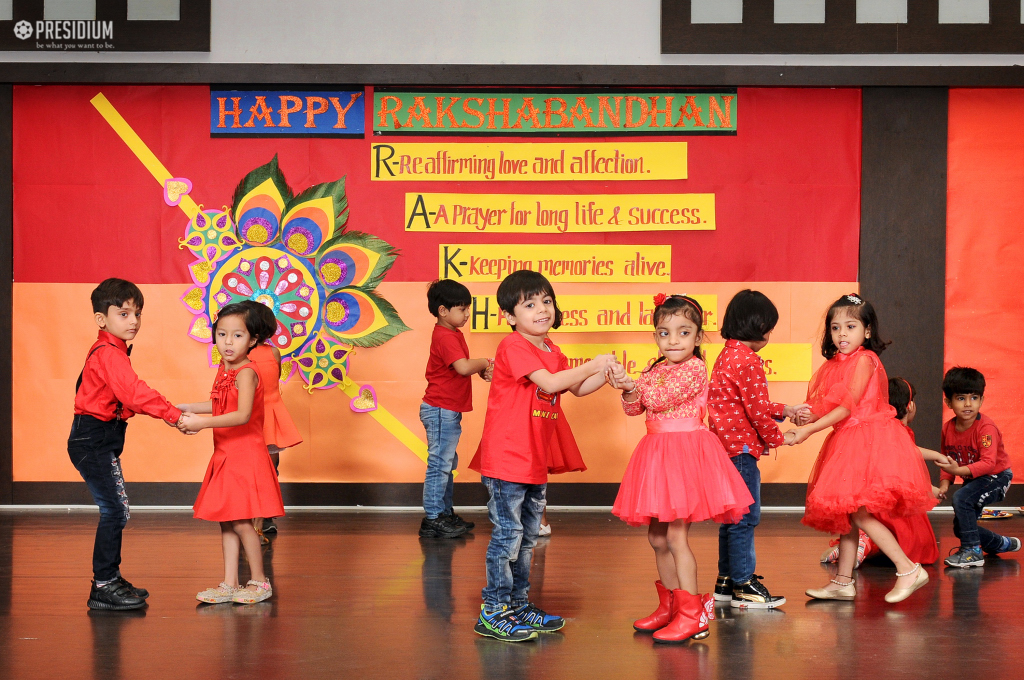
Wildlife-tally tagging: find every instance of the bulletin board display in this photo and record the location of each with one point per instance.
(139, 182)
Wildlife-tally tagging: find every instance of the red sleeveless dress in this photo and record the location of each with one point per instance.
(867, 460)
(240, 482)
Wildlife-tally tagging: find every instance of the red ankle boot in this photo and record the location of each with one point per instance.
(661, 616)
(690, 616)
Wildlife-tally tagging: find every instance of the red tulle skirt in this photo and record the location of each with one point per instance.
(871, 464)
(681, 475)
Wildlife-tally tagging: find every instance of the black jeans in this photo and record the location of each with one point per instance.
(95, 448)
(968, 503)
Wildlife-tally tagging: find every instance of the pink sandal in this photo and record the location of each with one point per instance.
(245, 596)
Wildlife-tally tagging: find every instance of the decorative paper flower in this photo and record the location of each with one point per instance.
(293, 257)
(659, 299)
(210, 235)
(323, 363)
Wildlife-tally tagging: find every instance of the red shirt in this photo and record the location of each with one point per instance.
(108, 378)
(525, 434)
(445, 387)
(739, 410)
(979, 447)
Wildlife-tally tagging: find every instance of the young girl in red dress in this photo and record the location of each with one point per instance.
(279, 429)
(680, 472)
(867, 465)
(914, 533)
(240, 482)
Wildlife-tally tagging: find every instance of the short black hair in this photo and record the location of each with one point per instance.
(250, 315)
(524, 284)
(860, 309)
(963, 380)
(114, 293)
(687, 307)
(750, 316)
(447, 293)
(901, 393)
(265, 324)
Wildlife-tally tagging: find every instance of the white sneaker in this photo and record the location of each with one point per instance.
(545, 530)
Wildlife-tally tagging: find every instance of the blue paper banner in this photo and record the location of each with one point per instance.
(273, 113)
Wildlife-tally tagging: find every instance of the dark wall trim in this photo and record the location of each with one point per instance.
(6, 286)
(543, 75)
(903, 237)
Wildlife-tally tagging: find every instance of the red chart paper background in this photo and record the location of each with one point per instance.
(985, 249)
(787, 191)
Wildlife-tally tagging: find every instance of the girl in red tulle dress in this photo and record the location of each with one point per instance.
(867, 465)
(240, 482)
(680, 472)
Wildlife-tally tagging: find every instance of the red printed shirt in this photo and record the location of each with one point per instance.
(109, 378)
(525, 434)
(445, 387)
(739, 410)
(979, 447)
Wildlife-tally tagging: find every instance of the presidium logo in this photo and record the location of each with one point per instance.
(65, 30)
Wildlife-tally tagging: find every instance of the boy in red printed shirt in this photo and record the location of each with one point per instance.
(108, 393)
(744, 418)
(525, 437)
(449, 394)
(974, 446)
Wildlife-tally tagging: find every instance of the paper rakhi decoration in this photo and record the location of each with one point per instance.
(365, 401)
(175, 188)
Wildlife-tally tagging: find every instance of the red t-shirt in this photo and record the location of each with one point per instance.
(525, 434)
(445, 387)
(979, 447)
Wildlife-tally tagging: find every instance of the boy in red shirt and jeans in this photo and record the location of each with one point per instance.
(108, 393)
(744, 418)
(525, 437)
(972, 443)
(449, 394)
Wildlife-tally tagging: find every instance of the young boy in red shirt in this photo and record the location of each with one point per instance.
(744, 418)
(974, 446)
(108, 393)
(525, 437)
(449, 394)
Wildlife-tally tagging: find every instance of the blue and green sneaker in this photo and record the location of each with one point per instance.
(538, 619)
(502, 624)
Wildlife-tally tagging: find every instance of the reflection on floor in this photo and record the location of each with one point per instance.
(359, 595)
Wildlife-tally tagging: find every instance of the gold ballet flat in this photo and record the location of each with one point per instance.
(900, 594)
(847, 592)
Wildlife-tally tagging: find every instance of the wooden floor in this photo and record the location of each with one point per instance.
(359, 595)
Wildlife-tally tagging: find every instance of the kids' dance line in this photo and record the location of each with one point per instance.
(869, 483)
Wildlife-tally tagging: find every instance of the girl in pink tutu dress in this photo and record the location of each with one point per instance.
(679, 472)
(867, 465)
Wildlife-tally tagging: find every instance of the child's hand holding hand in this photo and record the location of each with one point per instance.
(488, 372)
(797, 435)
(603, 361)
(618, 378)
(803, 417)
(795, 411)
(190, 423)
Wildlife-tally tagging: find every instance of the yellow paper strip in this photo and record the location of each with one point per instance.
(578, 263)
(554, 214)
(139, 148)
(590, 313)
(391, 424)
(783, 362)
(527, 162)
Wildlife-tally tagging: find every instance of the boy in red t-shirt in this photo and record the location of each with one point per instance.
(525, 437)
(108, 393)
(974, 447)
(449, 394)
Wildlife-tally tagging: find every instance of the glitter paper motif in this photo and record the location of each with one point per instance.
(291, 254)
(366, 401)
(175, 188)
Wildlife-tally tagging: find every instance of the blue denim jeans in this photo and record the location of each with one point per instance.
(94, 447)
(443, 429)
(515, 511)
(736, 557)
(968, 503)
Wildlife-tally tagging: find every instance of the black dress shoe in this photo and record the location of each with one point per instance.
(114, 596)
(442, 527)
(137, 592)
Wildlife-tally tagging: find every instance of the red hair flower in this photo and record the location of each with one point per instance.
(659, 299)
